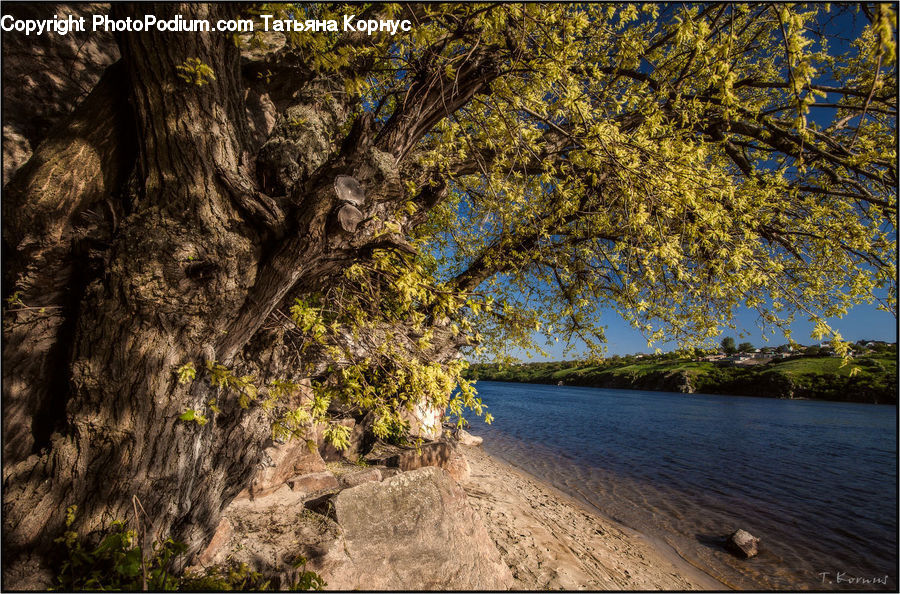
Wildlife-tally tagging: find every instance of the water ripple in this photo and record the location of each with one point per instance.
(815, 480)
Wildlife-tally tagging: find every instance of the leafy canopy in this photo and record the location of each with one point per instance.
(669, 162)
(672, 164)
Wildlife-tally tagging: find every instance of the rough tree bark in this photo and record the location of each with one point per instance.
(45, 76)
(137, 239)
(176, 270)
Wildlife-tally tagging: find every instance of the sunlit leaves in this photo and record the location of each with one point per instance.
(672, 170)
(186, 373)
(671, 163)
(381, 324)
(192, 415)
(195, 72)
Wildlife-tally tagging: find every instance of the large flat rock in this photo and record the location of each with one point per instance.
(414, 531)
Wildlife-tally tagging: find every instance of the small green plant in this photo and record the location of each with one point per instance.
(307, 580)
(186, 373)
(232, 575)
(15, 300)
(120, 563)
(192, 415)
(238, 576)
(117, 563)
(195, 72)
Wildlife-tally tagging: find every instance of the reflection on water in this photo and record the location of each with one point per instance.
(816, 481)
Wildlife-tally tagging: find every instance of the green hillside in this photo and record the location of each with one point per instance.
(870, 377)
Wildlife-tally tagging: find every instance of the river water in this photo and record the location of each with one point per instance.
(815, 481)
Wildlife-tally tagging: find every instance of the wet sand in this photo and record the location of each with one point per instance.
(550, 540)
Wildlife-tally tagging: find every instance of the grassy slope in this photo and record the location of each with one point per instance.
(805, 377)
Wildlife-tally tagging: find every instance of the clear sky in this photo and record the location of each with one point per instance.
(862, 322)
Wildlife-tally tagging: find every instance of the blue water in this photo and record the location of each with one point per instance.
(815, 481)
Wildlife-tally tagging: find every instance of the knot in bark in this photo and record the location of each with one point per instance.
(348, 190)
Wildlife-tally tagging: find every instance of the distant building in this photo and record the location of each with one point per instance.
(747, 362)
(746, 359)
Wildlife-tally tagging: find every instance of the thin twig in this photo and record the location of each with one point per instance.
(862, 118)
(141, 533)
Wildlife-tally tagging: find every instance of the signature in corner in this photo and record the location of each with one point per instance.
(842, 577)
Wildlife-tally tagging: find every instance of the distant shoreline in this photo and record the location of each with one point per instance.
(795, 378)
(698, 393)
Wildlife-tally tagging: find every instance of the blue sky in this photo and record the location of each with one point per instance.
(862, 322)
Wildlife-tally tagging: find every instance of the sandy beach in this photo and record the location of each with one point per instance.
(546, 538)
(549, 540)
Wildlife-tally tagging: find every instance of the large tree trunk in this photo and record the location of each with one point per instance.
(176, 273)
(138, 240)
(57, 211)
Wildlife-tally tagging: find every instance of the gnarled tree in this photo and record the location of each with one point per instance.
(224, 215)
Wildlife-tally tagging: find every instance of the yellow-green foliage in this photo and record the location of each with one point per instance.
(392, 306)
(194, 71)
(219, 376)
(244, 386)
(192, 415)
(661, 161)
(338, 435)
(186, 373)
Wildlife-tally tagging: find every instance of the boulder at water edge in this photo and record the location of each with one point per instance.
(466, 438)
(743, 544)
(443, 453)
